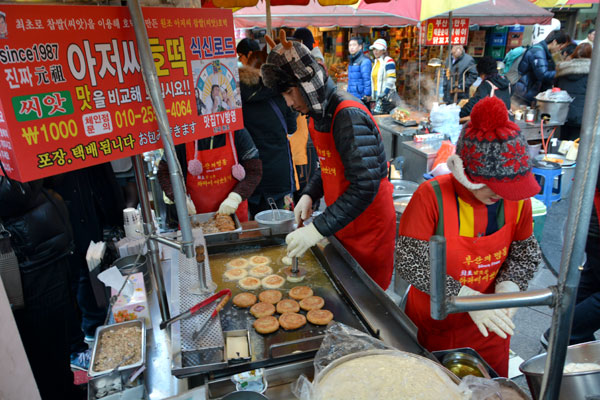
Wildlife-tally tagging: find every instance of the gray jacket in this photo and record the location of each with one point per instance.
(458, 68)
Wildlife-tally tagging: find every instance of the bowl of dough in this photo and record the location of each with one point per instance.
(386, 374)
(581, 372)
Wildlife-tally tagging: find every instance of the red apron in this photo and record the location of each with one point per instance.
(371, 237)
(215, 183)
(474, 262)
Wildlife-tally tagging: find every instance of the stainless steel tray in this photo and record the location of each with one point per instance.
(105, 328)
(220, 236)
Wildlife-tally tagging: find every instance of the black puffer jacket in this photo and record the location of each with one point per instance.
(572, 76)
(537, 70)
(361, 150)
(38, 222)
(268, 132)
(485, 89)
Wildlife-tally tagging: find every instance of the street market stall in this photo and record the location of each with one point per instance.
(354, 298)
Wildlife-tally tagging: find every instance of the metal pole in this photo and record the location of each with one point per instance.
(151, 80)
(419, 27)
(158, 281)
(268, 10)
(449, 56)
(582, 200)
(437, 259)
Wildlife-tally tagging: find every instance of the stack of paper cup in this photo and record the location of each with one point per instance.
(132, 223)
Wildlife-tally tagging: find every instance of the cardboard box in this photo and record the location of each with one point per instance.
(134, 307)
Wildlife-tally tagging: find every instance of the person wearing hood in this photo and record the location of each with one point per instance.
(537, 67)
(492, 84)
(359, 70)
(353, 174)
(269, 120)
(483, 210)
(572, 76)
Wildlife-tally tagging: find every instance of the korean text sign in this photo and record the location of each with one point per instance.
(72, 92)
(435, 31)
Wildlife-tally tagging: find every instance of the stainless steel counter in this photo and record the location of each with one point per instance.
(376, 310)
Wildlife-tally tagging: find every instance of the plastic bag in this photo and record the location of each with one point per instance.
(445, 151)
(561, 96)
(446, 119)
(481, 388)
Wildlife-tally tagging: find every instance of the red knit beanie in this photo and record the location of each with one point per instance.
(494, 152)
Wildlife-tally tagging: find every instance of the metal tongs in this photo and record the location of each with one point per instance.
(274, 209)
(195, 309)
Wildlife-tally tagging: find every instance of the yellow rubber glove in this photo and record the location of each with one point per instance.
(301, 240)
(230, 204)
(508, 287)
(303, 209)
(496, 321)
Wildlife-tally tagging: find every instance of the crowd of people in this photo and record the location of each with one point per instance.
(293, 112)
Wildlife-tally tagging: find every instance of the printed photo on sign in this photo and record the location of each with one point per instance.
(3, 26)
(217, 85)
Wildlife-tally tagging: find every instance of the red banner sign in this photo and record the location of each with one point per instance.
(435, 31)
(72, 93)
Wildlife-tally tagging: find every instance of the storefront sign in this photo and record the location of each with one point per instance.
(435, 31)
(72, 93)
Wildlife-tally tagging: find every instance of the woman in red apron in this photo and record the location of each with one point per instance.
(221, 173)
(353, 174)
(483, 210)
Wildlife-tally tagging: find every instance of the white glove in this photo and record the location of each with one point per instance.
(508, 287)
(302, 239)
(496, 321)
(303, 209)
(191, 208)
(230, 204)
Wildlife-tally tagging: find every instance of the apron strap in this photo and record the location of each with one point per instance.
(232, 144)
(494, 88)
(439, 229)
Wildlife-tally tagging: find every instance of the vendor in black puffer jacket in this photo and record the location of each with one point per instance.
(492, 84)
(572, 76)
(353, 174)
(41, 238)
(262, 109)
(537, 68)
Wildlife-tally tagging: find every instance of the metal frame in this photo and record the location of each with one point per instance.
(561, 297)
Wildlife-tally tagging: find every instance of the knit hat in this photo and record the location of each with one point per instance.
(291, 64)
(380, 44)
(245, 46)
(305, 36)
(491, 151)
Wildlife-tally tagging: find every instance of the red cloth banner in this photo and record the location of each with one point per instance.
(435, 31)
(72, 93)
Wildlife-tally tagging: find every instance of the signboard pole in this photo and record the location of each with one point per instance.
(151, 80)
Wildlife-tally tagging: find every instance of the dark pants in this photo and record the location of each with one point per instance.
(87, 316)
(586, 319)
(43, 326)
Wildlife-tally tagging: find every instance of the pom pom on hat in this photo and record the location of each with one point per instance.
(494, 153)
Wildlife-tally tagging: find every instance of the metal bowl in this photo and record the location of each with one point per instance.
(463, 364)
(404, 188)
(280, 221)
(245, 395)
(323, 373)
(578, 385)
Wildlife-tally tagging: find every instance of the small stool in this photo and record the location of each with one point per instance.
(548, 175)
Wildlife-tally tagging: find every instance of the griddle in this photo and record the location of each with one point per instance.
(272, 349)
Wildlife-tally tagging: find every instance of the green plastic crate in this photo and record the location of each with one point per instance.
(538, 209)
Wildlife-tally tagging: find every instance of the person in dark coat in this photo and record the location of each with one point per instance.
(572, 76)
(359, 70)
(463, 66)
(41, 238)
(492, 84)
(537, 68)
(269, 120)
(353, 167)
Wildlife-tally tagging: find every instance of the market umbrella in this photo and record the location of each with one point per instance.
(417, 10)
(560, 3)
(316, 15)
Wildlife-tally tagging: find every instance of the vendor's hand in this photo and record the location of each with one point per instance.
(230, 204)
(303, 209)
(508, 287)
(301, 240)
(496, 321)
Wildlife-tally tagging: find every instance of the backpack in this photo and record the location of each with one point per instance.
(511, 63)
